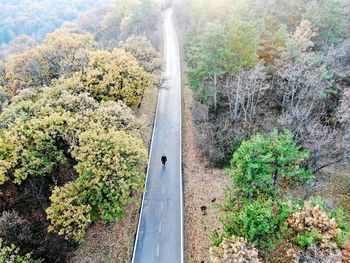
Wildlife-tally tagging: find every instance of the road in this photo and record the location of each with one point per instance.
(159, 237)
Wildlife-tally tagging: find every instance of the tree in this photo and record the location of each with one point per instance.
(204, 61)
(131, 17)
(139, 17)
(31, 148)
(39, 102)
(66, 52)
(61, 53)
(110, 27)
(241, 44)
(328, 17)
(263, 164)
(3, 94)
(110, 171)
(25, 70)
(2, 73)
(220, 49)
(41, 127)
(144, 52)
(115, 76)
(67, 215)
(110, 167)
(116, 115)
(21, 43)
(300, 41)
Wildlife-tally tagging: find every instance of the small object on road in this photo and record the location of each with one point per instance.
(163, 160)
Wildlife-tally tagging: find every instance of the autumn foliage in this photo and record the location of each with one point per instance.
(71, 148)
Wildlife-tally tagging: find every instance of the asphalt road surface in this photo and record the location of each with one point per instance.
(159, 237)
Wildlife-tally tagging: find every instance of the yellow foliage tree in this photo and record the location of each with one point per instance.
(115, 76)
(68, 217)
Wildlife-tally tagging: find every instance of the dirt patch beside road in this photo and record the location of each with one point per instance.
(203, 188)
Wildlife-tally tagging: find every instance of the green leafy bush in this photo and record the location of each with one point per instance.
(10, 254)
(264, 163)
(262, 223)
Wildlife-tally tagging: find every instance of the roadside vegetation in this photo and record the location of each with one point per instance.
(72, 151)
(270, 82)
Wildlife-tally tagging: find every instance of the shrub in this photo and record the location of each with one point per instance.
(313, 225)
(235, 249)
(14, 229)
(314, 254)
(10, 254)
(264, 163)
(262, 223)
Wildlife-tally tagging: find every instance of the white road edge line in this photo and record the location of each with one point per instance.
(149, 158)
(158, 250)
(160, 226)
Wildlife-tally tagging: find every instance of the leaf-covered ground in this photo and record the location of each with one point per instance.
(203, 188)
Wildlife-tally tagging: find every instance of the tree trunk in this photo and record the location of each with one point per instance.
(235, 113)
(215, 91)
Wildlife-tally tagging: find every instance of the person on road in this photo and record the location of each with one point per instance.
(163, 160)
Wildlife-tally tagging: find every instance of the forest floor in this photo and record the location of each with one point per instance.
(114, 243)
(204, 187)
(333, 184)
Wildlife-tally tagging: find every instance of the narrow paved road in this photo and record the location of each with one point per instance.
(160, 234)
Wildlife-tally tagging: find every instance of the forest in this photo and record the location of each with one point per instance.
(270, 81)
(266, 86)
(37, 18)
(72, 149)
